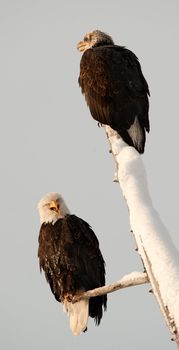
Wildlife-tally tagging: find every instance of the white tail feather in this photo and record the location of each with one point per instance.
(136, 134)
(78, 314)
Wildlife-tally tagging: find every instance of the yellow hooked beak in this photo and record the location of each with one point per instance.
(55, 206)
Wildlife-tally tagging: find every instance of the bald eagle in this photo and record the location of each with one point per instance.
(114, 87)
(71, 259)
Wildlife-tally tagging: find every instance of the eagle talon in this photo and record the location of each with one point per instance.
(74, 299)
(69, 297)
(100, 125)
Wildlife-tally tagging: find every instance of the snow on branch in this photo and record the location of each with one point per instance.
(130, 280)
(156, 249)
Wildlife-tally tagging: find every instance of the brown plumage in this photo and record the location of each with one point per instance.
(71, 259)
(114, 87)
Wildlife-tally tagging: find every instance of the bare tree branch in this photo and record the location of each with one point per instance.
(130, 280)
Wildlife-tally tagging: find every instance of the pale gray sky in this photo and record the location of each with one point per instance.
(49, 142)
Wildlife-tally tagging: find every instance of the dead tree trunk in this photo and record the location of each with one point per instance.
(156, 249)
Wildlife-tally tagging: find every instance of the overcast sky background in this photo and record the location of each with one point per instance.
(49, 142)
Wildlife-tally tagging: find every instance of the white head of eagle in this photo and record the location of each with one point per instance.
(70, 257)
(115, 89)
(52, 207)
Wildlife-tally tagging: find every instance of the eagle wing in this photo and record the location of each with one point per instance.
(114, 86)
(90, 264)
(86, 254)
(49, 251)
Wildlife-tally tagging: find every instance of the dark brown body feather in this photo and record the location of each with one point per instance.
(70, 256)
(115, 89)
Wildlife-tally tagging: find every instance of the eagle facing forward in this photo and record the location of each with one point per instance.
(71, 259)
(114, 87)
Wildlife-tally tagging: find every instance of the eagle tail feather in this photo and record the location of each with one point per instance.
(78, 313)
(137, 134)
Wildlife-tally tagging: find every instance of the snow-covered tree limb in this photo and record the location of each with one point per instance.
(156, 249)
(130, 280)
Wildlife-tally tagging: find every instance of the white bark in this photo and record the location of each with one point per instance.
(158, 254)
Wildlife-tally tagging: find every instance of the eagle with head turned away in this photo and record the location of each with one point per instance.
(114, 87)
(72, 262)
